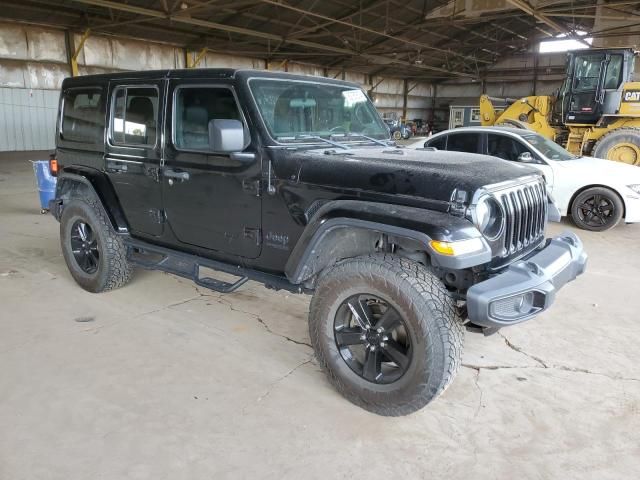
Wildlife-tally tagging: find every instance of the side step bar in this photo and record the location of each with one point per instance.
(154, 257)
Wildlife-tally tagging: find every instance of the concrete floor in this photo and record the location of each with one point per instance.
(163, 380)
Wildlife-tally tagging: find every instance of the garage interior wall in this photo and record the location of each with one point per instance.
(34, 61)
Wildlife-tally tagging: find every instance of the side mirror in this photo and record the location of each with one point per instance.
(226, 136)
(525, 157)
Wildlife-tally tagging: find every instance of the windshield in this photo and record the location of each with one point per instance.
(548, 148)
(587, 72)
(299, 110)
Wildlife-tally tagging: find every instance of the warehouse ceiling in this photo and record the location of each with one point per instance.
(430, 39)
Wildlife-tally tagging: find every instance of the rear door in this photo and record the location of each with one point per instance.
(211, 200)
(133, 151)
(470, 142)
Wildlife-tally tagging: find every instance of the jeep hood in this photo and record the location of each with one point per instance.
(431, 175)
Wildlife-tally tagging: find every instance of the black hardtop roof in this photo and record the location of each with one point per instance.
(204, 73)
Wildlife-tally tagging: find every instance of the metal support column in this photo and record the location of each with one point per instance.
(405, 99)
(193, 62)
(536, 61)
(76, 49)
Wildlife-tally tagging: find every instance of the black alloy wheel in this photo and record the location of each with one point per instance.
(597, 211)
(84, 246)
(372, 339)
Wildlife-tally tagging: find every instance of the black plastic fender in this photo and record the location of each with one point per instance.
(347, 228)
(76, 180)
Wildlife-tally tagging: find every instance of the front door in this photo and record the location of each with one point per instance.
(585, 103)
(211, 200)
(509, 148)
(133, 151)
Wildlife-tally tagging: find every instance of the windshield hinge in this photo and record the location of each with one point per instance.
(157, 215)
(254, 234)
(457, 204)
(254, 187)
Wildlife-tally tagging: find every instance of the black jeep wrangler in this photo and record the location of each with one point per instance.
(292, 181)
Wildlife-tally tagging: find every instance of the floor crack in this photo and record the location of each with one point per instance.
(274, 384)
(563, 368)
(476, 381)
(260, 320)
(541, 362)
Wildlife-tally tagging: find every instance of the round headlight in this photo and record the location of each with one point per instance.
(488, 217)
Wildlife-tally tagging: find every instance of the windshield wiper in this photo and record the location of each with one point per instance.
(371, 139)
(316, 137)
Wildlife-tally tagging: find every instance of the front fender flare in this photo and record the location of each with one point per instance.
(336, 232)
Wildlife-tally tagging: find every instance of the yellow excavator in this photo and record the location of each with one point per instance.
(596, 112)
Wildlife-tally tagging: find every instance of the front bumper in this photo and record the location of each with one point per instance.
(527, 287)
(632, 209)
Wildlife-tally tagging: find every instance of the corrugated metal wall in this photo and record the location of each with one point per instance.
(27, 118)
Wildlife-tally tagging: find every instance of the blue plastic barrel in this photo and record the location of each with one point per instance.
(46, 183)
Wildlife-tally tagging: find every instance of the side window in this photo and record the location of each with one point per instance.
(83, 115)
(194, 108)
(134, 120)
(505, 147)
(463, 142)
(614, 72)
(440, 143)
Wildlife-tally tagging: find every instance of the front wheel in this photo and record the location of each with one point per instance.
(597, 209)
(386, 332)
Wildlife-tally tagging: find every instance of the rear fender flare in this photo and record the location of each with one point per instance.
(76, 182)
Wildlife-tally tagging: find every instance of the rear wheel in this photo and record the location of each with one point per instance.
(620, 145)
(597, 209)
(397, 135)
(386, 332)
(95, 255)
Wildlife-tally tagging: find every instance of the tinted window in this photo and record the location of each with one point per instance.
(463, 142)
(135, 113)
(440, 143)
(505, 147)
(83, 115)
(194, 108)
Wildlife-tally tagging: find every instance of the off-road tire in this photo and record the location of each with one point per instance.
(427, 310)
(629, 135)
(582, 197)
(114, 270)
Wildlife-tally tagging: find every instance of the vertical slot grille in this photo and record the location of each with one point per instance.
(525, 208)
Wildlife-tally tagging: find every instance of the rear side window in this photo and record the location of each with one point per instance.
(440, 143)
(83, 115)
(463, 142)
(135, 113)
(195, 107)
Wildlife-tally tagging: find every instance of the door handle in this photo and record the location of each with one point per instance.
(173, 174)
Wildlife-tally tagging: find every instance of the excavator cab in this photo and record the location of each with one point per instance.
(593, 85)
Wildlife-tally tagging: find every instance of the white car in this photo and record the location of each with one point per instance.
(596, 193)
